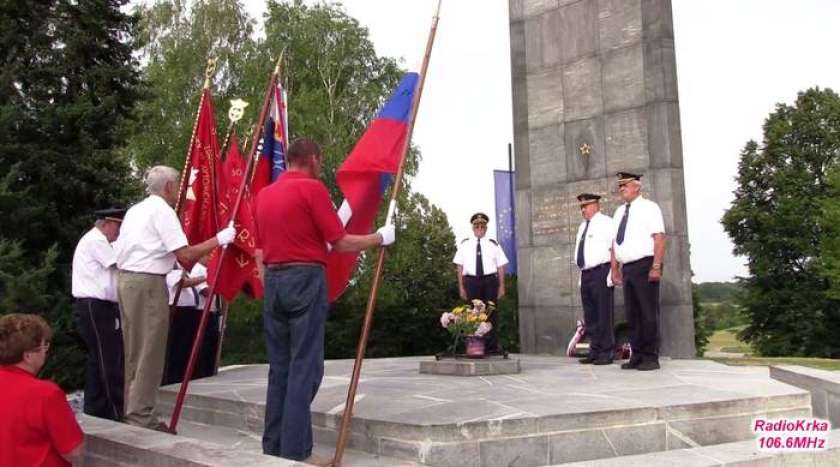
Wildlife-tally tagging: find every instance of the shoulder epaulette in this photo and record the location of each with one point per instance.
(494, 242)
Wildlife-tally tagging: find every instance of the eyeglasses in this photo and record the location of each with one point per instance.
(41, 348)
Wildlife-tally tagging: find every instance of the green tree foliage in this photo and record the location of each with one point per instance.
(774, 221)
(178, 37)
(829, 222)
(67, 83)
(702, 329)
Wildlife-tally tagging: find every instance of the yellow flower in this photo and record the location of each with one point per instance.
(482, 317)
(471, 318)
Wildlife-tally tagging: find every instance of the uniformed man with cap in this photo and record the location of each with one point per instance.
(639, 247)
(97, 315)
(592, 256)
(481, 271)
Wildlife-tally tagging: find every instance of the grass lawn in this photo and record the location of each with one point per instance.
(725, 341)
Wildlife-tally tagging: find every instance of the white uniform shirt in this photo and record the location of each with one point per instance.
(200, 270)
(149, 235)
(188, 296)
(94, 274)
(645, 219)
(491, 254)
(599, 237)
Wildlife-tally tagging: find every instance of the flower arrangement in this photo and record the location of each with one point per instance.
(469, 320)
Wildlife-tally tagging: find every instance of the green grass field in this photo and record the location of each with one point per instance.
(726, 341)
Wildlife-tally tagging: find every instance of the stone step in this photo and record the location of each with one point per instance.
(742, 454)
(555, 411)
(108, 443)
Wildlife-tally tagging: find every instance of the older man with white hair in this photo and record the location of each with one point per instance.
(150, 241)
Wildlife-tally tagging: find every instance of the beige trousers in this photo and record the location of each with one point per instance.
(144, 309)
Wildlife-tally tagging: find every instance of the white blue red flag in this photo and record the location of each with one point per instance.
(274, 142)
(365, 174)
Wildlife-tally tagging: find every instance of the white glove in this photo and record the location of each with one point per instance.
(226, 235)
(388, 233)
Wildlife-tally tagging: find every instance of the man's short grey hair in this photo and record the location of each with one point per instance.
(157, 177)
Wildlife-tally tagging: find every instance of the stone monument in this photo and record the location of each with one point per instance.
(594, 92)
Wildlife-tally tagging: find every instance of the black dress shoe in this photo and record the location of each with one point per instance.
(586, 360)
(648, 365)
(603, 361)
(631, 365)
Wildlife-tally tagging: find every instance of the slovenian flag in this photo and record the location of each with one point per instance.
(274, 141)
(366, 173)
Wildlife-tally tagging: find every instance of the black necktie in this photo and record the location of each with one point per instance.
(619, 238)
(580, 260)
(479, 264)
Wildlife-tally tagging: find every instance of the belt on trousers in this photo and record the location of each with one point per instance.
(482, 277)
(631, 263)
(280, 266)
(595, 268)
(109, 302)
(143, 273)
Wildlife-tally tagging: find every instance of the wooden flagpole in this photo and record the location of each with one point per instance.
(202, 325)
(344, 431)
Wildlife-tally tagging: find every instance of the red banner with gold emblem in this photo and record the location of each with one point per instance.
(239, 269)
(198, 214)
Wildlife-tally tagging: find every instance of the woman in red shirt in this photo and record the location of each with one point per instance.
(37, 427)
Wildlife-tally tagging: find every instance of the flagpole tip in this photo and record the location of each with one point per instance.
(209, 72)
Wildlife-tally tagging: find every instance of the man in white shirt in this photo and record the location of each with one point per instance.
(481, 272)
(97, 316)
(184, 325)
(639, 247)
(592, 256)
(150, 242)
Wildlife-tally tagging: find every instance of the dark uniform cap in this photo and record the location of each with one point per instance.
(110, 214)
(587, 198)
(479, 218)
(627, 177)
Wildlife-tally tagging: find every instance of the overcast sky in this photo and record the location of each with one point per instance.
(735, 60)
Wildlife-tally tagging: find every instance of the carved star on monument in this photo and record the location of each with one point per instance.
(585, 149)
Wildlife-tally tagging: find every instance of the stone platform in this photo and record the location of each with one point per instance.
(488, 366)
(555, 411)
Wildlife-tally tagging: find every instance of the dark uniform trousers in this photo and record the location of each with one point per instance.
(641, 304)
(98, 322)
(597, 301)
(485, 288)
(181, 336)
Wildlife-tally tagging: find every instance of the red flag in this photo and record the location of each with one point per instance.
(199, 216)
(365, 174)
(239, 269)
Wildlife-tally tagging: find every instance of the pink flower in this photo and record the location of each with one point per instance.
(483, 329)
(446, 318)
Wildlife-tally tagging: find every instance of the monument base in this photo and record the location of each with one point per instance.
(487, 366)
(554, 411)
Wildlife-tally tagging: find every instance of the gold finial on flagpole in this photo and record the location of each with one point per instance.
(209, 71)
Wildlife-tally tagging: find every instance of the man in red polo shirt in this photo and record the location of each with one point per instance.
(37, 426)
(295, 221)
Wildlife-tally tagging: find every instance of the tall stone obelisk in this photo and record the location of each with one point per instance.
(594, 92)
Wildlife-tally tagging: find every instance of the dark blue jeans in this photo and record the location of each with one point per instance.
(294, 315)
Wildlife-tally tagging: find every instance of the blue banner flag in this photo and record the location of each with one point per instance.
(506, 216)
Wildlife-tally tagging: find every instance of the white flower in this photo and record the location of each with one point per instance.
(445, 319)
(483, 328)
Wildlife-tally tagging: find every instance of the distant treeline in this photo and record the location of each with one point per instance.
(719, 304)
